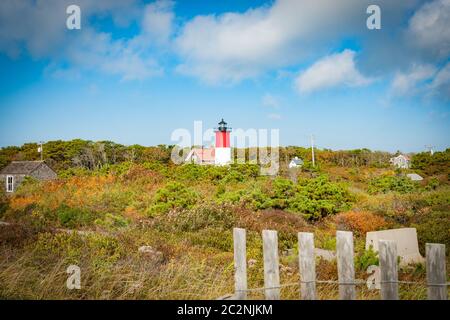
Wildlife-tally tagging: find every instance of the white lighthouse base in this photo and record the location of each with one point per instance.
(222, 156)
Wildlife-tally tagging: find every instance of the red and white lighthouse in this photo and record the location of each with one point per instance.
(223, 149)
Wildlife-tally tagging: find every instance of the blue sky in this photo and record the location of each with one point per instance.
(138, 70)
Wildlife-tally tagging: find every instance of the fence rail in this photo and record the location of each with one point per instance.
(389, 283)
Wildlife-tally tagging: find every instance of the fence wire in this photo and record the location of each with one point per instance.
(355, 283)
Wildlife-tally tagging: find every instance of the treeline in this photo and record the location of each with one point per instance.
(438, 163)
(92, 155)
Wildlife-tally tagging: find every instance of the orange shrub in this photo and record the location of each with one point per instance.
(360, 221)
(20, 203)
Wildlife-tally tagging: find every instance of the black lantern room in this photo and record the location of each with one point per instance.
(222, 126)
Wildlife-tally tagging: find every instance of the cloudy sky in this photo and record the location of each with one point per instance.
(138, 70)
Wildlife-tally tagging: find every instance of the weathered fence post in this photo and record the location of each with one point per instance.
(388, 268)
(240, 263)
(345, 264)
(436, 274)
(271, 268)
(307, 265)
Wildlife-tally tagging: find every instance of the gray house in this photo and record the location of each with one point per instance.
(13, 174)
(296, 162)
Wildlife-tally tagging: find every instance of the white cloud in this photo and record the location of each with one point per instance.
(230, 47)
(332, 71)
(39, 27)
(423, 79)
(405, 82)
(429, 28)
(42, 33)
(269, 100)
(234, 46)
(440, 86)
(158, 20)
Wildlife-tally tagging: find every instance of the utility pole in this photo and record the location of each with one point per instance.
(41, 150)
(312, 150)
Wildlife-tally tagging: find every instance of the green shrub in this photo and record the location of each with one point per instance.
(112, 221)
(313, 198)
(4, 205)
(318, 197)
(118, 169)
(433, 183)
(74, 172)
(392, 183)
(74, 217)
(216, 174)
(173, 195)
(366, 259)
(433, 227)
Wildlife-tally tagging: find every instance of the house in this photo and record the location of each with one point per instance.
(201, 156)
(296, 162)
(414, 177)
(401, 161)
(13, 174)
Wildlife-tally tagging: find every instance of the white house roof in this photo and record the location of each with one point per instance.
(297, 161)
(203, 154)
(401, 156)
(414, 177)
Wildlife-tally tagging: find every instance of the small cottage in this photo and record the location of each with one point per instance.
(296, 162)
(401, 161)
(13, 174)
(201, 156)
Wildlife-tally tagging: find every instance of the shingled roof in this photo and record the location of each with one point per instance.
(21, 167)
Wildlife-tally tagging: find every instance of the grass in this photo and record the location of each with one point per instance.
(194, 238)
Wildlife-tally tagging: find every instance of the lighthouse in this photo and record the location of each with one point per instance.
(223, 149)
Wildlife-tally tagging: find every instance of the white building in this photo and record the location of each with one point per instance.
(296, 162)
(201, 156)
(401, 161)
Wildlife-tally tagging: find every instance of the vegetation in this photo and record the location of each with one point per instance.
(391, 183)
(110, 200)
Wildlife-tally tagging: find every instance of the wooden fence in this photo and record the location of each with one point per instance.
(435, 267)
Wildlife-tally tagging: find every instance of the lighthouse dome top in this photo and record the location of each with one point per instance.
(223, 126)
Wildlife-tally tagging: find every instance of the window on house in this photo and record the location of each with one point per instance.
(9, 183)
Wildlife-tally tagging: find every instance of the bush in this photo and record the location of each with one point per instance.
(74, 217)
(112, 221)
(318, 197)
(199, 218)
(391, 183)
(360, 222)
(366, 259)
(4, 205)
(313, 198)
(173, 195)
(74, 172)
(432, 184)
(216, 174)
(433, 227)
